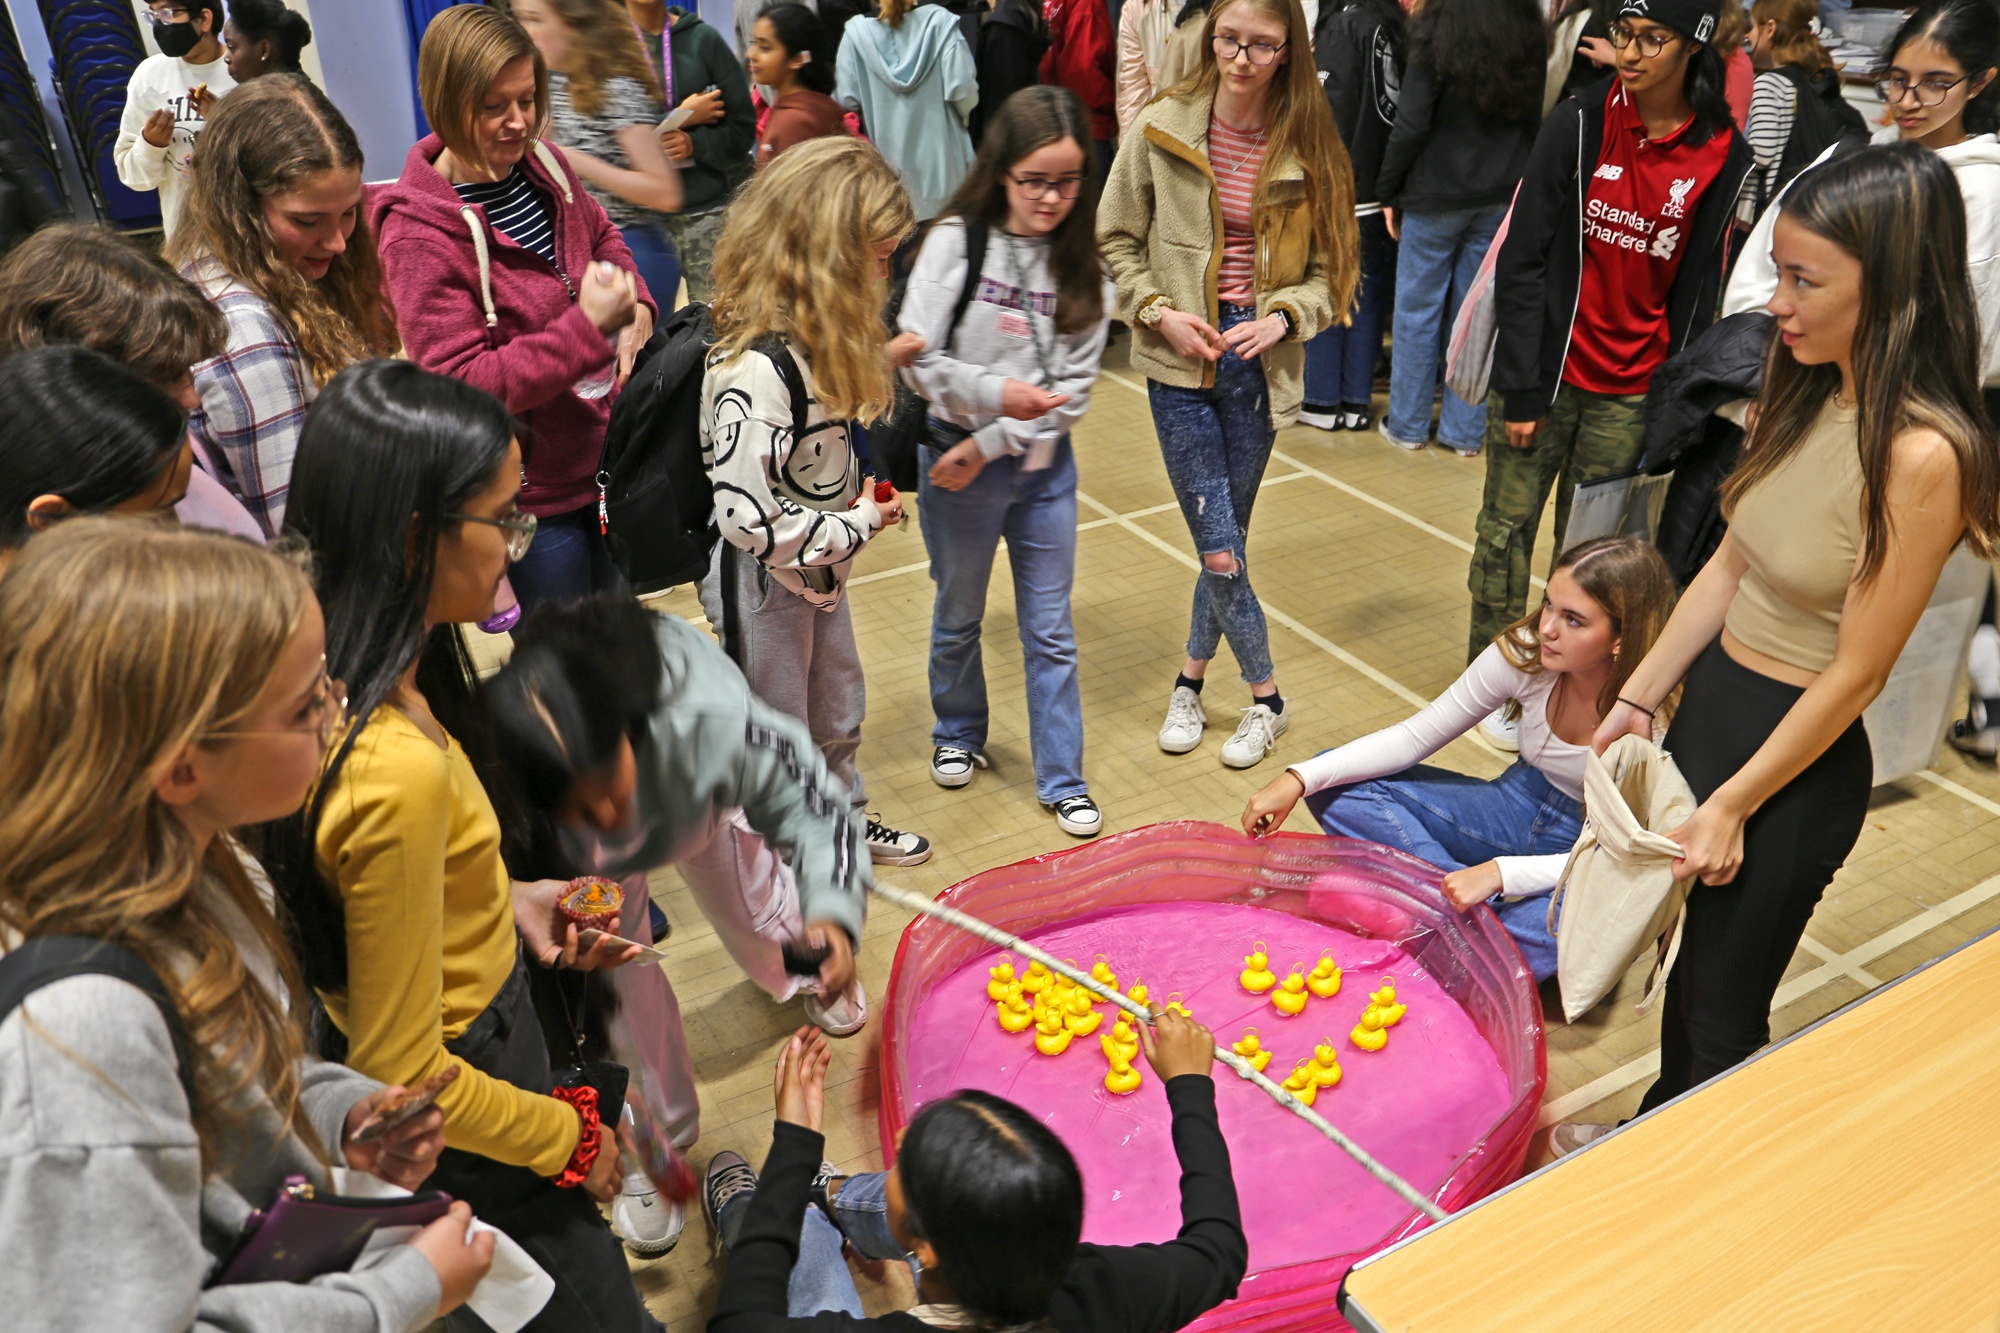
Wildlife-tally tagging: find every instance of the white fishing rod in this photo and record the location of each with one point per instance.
(972, 925)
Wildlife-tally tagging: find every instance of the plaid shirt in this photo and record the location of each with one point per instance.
(253, 397)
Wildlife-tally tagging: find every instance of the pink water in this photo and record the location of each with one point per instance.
(1419, 1105)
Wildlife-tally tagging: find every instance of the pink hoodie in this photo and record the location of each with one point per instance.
(498, 317)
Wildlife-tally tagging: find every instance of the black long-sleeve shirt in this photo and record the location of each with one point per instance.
(1110, 1289)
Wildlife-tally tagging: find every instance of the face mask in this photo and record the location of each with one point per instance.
(176, 39)
(594, 852)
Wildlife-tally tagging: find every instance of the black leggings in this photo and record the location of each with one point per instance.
(1740, 936)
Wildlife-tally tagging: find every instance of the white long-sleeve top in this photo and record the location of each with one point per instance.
(1490, 681)
(163, 81)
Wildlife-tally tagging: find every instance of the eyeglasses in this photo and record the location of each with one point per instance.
(519, 527)
(1930, 92)
(1040, 187)
(1651, 42)
(326, 714)
(1260, 53)
(161, 18)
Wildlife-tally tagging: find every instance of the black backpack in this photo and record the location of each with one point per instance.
(47, 959)
(656, 501)
(894, 440)
(1821, 119)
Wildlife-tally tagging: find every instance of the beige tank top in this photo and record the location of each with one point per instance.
(1800, 531)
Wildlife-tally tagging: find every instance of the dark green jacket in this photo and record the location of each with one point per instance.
(722, 150)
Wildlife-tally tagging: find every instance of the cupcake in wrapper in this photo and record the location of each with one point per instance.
(592, 902)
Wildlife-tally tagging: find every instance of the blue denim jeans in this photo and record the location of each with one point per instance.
(861, 1211)
(820, 1280)
(653, 255)
(1340, 363)
(1036, 513)
(1216, 443)
(567, 560)
(1436, 261)
(1454, 821)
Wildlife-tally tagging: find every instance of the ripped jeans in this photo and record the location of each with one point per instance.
(1216, 443)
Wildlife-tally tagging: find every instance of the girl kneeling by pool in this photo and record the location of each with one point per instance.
(1506, 839)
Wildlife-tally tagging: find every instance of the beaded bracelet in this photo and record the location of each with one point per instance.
(589, 1143)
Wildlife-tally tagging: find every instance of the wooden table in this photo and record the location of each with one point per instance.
(1846, 1178)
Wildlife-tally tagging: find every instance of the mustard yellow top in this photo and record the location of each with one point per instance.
(1800, 532)
(411, 842)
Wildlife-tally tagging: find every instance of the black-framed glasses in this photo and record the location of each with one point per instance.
(1260, 53)
(326, 714)
(1039, 187)
(1928, 92)
(1651, 42)
(161, 18)
(519, 527)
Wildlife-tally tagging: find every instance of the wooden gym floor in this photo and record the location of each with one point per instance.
(1358, 551)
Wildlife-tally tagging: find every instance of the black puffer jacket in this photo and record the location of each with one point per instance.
(1722, 364)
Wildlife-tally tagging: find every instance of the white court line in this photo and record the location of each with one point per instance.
(1968, 796)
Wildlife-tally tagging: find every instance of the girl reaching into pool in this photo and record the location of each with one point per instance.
(1506, 839)
(986, 1201)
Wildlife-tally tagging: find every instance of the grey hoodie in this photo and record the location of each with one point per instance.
(916, 89)
(713, 746)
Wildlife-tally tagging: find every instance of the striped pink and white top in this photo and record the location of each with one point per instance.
(1236, 158)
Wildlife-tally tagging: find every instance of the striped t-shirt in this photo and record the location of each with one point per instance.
(516, 210)
(1236, 158)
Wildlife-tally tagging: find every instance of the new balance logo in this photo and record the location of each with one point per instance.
(1607, 172)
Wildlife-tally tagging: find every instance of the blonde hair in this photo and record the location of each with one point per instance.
(463, 51)
(273, 136)
(1794, 42)
(606, 46)
(1627, 577)
(1301, 129)
(796, 258)
(122, 643)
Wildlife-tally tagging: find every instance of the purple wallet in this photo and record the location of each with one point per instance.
(305, 1234)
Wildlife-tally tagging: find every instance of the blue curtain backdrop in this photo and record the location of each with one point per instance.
(418, 15)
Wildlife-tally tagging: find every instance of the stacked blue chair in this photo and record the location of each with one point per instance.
(21, 118)
(97, 46)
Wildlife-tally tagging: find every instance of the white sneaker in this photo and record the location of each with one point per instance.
(1501, 732)
(953, 767)
(1566, 1139)
(1399, 441)
(847, 1015)
(894, 847)
(1255, 736)
(648, 1224)
(1185, 719)
(1078, 816)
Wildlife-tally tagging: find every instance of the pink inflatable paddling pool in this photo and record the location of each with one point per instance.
(1448, 1103)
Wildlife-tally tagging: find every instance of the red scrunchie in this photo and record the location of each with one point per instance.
(584, 1099)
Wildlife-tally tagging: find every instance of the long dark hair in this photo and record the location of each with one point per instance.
(76, 424)
(1915, 355)
(1970, 31)
(999, 1198)
(388, 454)
(1494, 52)
(1704, 85)
(271, 21)
(1033, 118)
(801, 33)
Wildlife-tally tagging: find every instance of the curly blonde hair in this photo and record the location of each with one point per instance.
(797, 258)
(271, 136)
(123, 642)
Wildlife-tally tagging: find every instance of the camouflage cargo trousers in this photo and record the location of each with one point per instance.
(694, 242)
(1585, 437)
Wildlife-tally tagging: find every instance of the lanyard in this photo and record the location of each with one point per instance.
(1042, 355)
(666, 55)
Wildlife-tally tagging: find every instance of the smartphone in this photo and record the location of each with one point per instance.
(401, 1110)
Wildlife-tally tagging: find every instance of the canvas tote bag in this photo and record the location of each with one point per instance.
(1618, 895)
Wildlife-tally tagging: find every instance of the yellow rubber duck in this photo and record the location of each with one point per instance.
(1121, 1078)
(1063, 985)
(1078, 1016)
(1384, 1003)
(1252, 1050)
(1257, 976)
(1301, 1084)
(1003, 977)
(1101, 973)
(1174, 1005)
(1325, 1064)
(1324, 980)
(1290, 997)
(1037, 980)
(1015, 1015)
(1051, 1037)
(1137, 994)
(1122, 1038)
(1368, 1033)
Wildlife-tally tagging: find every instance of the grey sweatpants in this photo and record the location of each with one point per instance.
(796, 657)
